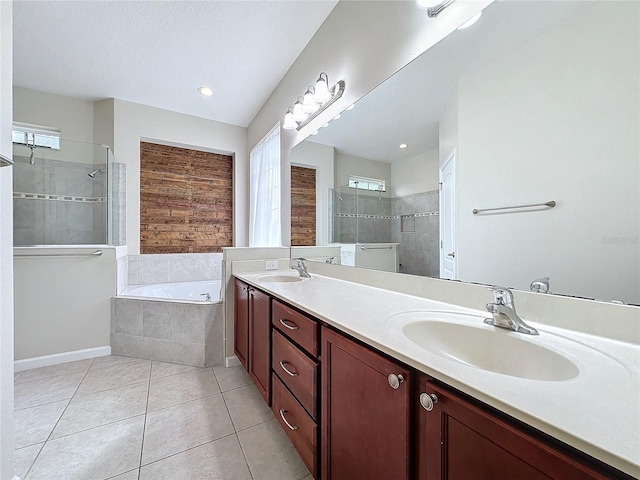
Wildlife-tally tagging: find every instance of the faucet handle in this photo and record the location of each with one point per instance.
(502, 296)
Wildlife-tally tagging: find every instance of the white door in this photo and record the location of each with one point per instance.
(448, 261)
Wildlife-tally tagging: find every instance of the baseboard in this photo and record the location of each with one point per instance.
(56, 358)
(231, 361)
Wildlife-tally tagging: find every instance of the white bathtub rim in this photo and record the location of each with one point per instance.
(216, 282)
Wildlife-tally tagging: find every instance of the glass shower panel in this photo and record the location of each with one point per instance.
(374, 219)
(60, 196)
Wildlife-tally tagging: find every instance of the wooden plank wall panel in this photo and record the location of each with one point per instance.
(303, 206)
(186, 200)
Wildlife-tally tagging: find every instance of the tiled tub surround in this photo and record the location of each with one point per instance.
(173, 267)
(187, 333)
(603, 361)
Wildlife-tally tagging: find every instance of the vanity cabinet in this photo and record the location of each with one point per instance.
(241, 322)
(252, 330)
(366, 414)
(295, 368)
(458, 439)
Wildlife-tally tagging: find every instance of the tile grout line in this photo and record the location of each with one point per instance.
(144, 425)
(244, 455)
(44, 444)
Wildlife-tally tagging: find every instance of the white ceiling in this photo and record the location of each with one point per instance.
(158, 53)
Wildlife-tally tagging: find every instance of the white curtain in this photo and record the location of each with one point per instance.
(264, 209)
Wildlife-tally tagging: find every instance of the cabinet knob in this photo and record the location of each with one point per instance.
(428, 401)
(395, 380)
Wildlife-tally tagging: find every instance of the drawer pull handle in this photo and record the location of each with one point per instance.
(282, 412)
(282, 364)
(395, 380)
(288, 324)
(428, 401)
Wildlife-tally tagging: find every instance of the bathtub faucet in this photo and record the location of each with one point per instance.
(207, 297)
(300, 267)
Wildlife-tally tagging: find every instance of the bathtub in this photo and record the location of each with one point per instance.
(169, 322)
(192, 292)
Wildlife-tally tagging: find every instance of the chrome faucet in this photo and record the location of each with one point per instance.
(540, 285)
(301, 268)
(504, 312)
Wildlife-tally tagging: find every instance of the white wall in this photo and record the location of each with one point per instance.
(76, 296)
(349, 46)
(134, 122)
(448, 131)
(74, 117)
(6, 250)
(583, 154)
(347, 165)
(320, 157)
(416, 174)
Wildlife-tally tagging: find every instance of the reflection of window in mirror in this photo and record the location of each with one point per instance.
(364, 183)
(303, 206)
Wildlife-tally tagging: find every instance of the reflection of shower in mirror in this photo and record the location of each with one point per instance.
(95, 172)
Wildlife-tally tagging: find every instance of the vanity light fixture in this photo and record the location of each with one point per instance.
(433, 8)
(314, 101)
(206, 91)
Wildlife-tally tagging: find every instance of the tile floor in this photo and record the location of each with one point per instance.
(122, 418)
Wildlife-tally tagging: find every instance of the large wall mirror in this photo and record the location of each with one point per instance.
(537, 102)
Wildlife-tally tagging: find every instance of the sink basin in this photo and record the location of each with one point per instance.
(280, 278)
(464, 338)
(495, 350)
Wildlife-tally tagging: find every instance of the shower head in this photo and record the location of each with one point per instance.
(339, 197)
(93, 174)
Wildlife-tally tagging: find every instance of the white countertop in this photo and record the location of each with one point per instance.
(597, 412)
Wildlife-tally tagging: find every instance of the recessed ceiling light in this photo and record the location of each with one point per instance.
(337, 117)
(315, 133)
(350, 107)
(402, 145)
(206, 91)
(471, 21)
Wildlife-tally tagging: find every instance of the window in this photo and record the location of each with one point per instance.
(264, 208)
(364, 183)
(35, 135)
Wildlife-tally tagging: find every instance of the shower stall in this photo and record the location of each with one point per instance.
(69, 195)
(373, 222)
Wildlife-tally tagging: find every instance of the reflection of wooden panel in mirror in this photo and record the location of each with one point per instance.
(186, 200)
(303, 206)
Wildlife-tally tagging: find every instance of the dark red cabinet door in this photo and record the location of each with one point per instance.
(365, 422)
(460, 440)
(260, 342)
(241, 323)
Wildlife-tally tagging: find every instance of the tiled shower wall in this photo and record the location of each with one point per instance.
(417, 230)
(57, 203)
(374, 222)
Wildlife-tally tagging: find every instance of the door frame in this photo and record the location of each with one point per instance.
(448, 165)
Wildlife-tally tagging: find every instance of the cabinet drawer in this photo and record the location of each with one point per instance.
(298, 327)
(299, 427)
(297, 371)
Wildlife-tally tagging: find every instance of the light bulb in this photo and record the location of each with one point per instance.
(402, 145)
(309, 104)
(471, 21)
(322, 94)
(299, 115)
(206, 91)
(289, 122)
